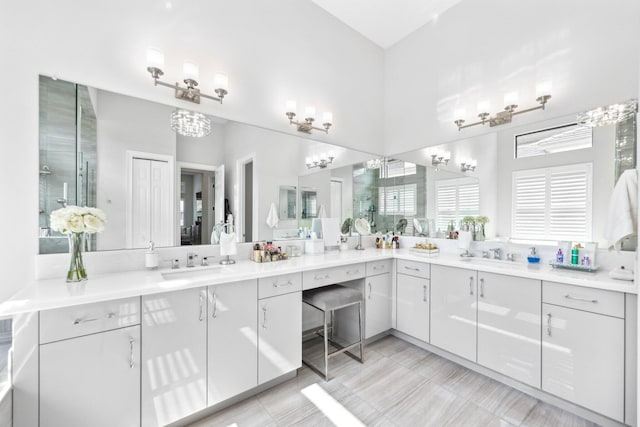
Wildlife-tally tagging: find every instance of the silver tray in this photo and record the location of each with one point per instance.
(576, 267)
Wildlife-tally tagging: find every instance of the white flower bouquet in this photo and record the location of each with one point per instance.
(76, 222)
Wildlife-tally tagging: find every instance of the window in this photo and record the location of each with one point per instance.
(5, 347)
(554, 140)
(455, 199)
(398, 168)
(398, 200)
(552, 203)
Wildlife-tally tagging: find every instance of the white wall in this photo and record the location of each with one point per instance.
(482, 49)
(272, 51)
(208, 150)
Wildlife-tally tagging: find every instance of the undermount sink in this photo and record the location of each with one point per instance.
(498, 263)
(191, 274)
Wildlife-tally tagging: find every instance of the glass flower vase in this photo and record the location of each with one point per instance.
(77, 272)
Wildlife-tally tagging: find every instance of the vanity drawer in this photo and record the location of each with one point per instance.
(587, 299)
(414, 268)
(328, 276)
(379, 267)
(69, 322)
(278, 285)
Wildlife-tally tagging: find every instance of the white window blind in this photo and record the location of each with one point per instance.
(398, 200)
(455, 199)
(552, 203)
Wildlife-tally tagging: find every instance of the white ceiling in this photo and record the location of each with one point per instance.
(386, 22)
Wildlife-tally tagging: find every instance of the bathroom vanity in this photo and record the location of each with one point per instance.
(154, 347)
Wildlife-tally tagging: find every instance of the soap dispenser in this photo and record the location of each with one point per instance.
(533, 258)
(151, 257)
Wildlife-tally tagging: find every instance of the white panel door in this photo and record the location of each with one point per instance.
(233, 340)
(583, 359)
(140, 204)
(509, 326)
(174, 355)
(453, 310)
(413, 306)
(279, 335)
(377, 304)
(161, 204)
(92, 380)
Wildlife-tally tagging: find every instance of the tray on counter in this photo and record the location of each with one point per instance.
(575, 267)
(425, 252)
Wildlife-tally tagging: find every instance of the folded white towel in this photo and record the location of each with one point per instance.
(331, 231)
(623, 210)
(272, 216)
(322, 212)
(228, 244)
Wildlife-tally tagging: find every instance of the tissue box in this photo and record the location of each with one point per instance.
(314, 246)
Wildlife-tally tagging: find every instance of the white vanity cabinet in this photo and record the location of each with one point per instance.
(453, 310)
(232, 344)
(583, 347)
(377, 298)
(174, 355)
(412, 299)
(89, 367)
(509, 326)
(279, 328)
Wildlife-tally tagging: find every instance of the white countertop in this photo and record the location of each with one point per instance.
(56, 293)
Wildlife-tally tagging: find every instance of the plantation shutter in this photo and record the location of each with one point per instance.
(456, 199)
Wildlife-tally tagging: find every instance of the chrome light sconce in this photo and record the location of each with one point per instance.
(440, 158)
(307, 125)
(543, 95)
(155, 62)
(468, 165)
(320, 162)
(609, 114)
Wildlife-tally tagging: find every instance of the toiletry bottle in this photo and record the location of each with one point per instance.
(151, 257)
(574, 255)
(560, 256)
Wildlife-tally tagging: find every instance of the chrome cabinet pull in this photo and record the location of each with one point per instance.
(264, 317)
(352, 272)
(80, 321)
(549, 324)
(411, 268)
(471, 285)
(131, 362)
(201, 315)
(370, 290)
(276, 285)
(214, 313)
(424, 297)
(568, 296)
(482, 287)
(326, 276)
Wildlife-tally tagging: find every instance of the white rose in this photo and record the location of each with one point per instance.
(93, 224)
(75, 224)
(99, 213)
(58, 220)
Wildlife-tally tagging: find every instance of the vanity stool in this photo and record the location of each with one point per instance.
(328, 299)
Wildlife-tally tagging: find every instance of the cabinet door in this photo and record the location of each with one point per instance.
(232, 343)
(583, 359)
(279, 335)
(453, 310)
(91, 380)
(174, 355)
(509, 326)
(413, 306)
(377, 304)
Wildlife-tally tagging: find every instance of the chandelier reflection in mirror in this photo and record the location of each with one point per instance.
(190, 123)
(310, 114)
(155, 63)
(374, 164)
(609, 114)
(321, 162)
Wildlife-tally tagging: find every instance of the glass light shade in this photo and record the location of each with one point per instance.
(473, 162)
(190, 71)
(155, 58)
(190, 123)
(315, 159)
(327, 117)
(609, 114)
(331, 154)
(543, 88)
(460, 113)
(447, 155)
(290, 107)
(221, 81)
(484, 107)
(308, 160)
(510, 98)
(310, 112)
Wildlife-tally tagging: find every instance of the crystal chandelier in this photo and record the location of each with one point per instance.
(374, 164)
(190, 123)
(609, 114)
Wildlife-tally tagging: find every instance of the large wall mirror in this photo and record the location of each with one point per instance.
(118, 153)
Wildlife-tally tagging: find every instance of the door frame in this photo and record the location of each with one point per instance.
(239, 196)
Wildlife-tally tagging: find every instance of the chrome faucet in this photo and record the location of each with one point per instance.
(497, 253)
(191, 258)
(204, 261)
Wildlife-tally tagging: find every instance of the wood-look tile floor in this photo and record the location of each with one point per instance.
(399, 385)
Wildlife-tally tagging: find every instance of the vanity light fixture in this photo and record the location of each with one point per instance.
(320, 162)
(310, 113)
(190, 123)
(440, 158)
(609, 114)
(543, 95)
(468, 165)
(155, 63)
